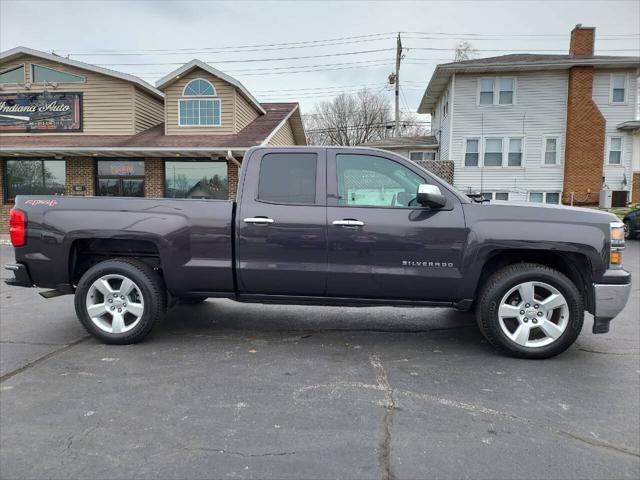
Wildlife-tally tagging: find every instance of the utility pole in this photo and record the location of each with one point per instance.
(397, 84)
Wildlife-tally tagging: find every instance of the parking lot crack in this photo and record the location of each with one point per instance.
(390, 405)
(240, 454)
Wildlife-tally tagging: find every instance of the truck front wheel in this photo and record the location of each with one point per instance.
(531, 311)
(120, 300)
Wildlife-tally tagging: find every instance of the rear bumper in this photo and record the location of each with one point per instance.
(21, 277)
(610, 299)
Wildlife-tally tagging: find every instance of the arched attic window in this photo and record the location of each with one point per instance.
(199, 112)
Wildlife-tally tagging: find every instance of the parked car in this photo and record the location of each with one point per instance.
(305, 228)
(632, 224)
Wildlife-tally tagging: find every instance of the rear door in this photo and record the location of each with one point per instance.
(282, 231)
(382, 244)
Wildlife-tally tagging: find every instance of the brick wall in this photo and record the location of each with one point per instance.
(154, 177)
(584, 146)
(635, 193)
(232, 178)
(80, 172)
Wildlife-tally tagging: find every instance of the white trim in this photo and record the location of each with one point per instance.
(278, 127)
(215, 93)
(190, 99)
(626, 88)
(33, 76)
(195, 63)
(558, 139)
(15, 52)
(15, 67)
(608, 152)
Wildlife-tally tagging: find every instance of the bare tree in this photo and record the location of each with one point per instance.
(464, 51)
(412, 126)
(349, 119)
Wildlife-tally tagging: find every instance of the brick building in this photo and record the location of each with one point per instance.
(538, 127)
(71, 128)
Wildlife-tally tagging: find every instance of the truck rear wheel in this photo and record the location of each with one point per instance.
(530, 311)
(120, 300)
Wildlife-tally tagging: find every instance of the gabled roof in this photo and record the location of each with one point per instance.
(154, 142)
(195, 63)
(404, 142)
(18, 51)
(513, 63)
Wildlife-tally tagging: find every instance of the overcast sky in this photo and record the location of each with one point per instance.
(155, 37)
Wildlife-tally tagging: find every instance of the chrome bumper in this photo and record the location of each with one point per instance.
(609, 302)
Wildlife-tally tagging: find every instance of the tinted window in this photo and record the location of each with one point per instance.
(288, 178)
(120, 168)
(367, 180)
(35, 177)
(196, 179)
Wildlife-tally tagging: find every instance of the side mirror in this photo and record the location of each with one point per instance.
(431, 196)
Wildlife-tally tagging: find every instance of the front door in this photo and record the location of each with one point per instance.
(381, 243)
(282, 231)
(120, 178)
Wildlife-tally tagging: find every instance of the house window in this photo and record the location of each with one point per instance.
(471, 152)
(515, 152)
(505, 96)
(15, 75)
(486, 91)
(194, 178)
(551, 150)
(493, 152)
(615, 151)
(618, 88)
(422, 156)
(49, 75)
(202, 111)
(495, 196)
(544, 197)
(34, 177)
(496, 91)
(120, 177)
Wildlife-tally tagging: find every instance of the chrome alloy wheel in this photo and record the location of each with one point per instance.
(114, 303)
(533, 314)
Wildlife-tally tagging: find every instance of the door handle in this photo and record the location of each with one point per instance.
(348, 223)
(259, 220)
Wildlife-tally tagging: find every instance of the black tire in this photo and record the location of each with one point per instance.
(191, 300)
(629, 233)
(151, 287)
(499, 283)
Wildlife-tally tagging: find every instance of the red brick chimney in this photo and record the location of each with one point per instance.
(582, 41)
(585, 130)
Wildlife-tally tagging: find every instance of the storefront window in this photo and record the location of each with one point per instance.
(196, 179)
(34, 177)
(121, 178)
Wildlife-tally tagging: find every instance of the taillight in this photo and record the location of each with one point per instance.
(17, 228)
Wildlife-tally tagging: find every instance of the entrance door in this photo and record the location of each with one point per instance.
(282, 231)
(382, 244)
(120, 178)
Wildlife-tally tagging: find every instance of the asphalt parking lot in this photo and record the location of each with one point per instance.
(226, 390)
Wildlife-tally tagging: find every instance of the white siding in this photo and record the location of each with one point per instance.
(539, 111)
(615, 114)
(441, 125)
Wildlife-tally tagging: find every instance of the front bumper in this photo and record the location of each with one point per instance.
(609, 299)
(21, 277)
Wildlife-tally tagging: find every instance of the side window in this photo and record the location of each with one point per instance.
(288, 178)
(370, 181)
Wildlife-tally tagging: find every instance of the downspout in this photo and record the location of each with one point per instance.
(233, 159)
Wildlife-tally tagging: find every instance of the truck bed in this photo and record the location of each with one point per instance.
(191, 238)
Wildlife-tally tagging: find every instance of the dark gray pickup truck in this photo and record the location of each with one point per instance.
(345, 226)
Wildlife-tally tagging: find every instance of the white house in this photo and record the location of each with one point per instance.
(540, 128)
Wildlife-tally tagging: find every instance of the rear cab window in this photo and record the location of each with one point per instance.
(288, 178)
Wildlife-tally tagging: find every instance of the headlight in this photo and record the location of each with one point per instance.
(617, 244)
